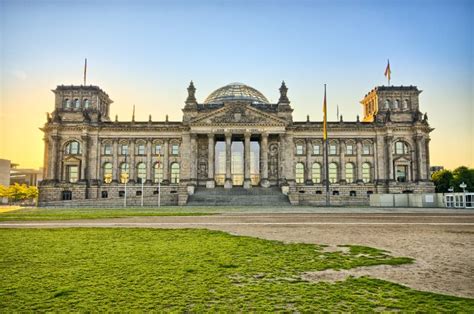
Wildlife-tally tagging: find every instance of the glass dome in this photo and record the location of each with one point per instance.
(236, 91)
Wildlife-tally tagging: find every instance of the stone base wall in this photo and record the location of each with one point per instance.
(106, 195)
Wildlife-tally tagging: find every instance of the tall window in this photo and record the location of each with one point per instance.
(401, 173)
(316, 149)
(332, 149)
(158, 149)
(107, 172)
(107, 149)
(299, 149)
(401, 148)
(350, 172)
(72, 173)
(175, 172)
(333, 172)
(141, 172)
(366, 172)
(87, 103)
(299, 173)
(366, 148)
(349, 149)
(140, 149)
(67, 103)
(124, 149)
(175, 150)
(77, 103)
(316, 173)
(124, 173)
(73, 148)
(158, 172)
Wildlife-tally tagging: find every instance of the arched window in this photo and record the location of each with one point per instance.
(350, 172)
(107, 172)
(366, 172)
(299, 173)
(87, 103)
(333, 172)
(67, 103)
(77, 103)
(158, 172)
(141, 172)
(316, 173)
(386, 104)
(395, 104)
(405, 104)
(401, 148)
(175, 172)
(124, 173)
(73, 148)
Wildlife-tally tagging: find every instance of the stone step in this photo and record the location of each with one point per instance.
(238, 196)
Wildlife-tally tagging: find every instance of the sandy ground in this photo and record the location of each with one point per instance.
(441, 243)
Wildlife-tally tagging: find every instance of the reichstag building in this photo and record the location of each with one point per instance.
(235, 142)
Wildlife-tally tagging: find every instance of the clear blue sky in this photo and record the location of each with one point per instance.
(146, 52)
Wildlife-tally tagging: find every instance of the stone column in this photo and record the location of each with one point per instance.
(85, 158)
(342, 162)
(309, 149)
(46, 158)
(54, 174)
(419, 158)
(389, 145)
(228, 161)
(247, 181)
(359, 161)
(148, 161)
(427, 158)
(166, 162)
(264, 156)
(115, 166)
(193, 159)
(131, 168)
(210, 162)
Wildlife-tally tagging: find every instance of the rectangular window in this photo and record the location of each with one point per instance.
(66, 195)
(366, 149)
(105, 194)
(401, 173)
(316, 150)
(174, 149)
(299, 149)
(158, 149)
(141, 149)
(349, 149)
(121, 193)
(107, 149)
(72, 174)
(124, 149)
(332, 149)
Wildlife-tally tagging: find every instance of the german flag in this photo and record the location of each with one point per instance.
(388, 72)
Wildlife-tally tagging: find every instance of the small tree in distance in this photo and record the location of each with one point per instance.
(445, 179)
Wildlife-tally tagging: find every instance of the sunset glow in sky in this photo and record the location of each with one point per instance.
(144, 53)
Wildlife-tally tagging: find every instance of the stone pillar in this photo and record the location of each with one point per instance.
(427, 158)
(288, 151)
(359, 161)
(247, 181)
(389, 145)
(419, 158)
(54, 174)
(131, 168)
(193, 159)
(148, 162)
(210, 162)
(264, 156)
(166, 162)
(115, 166)
(85, 158)
(342, 162)
(46, 158)
(308, 173)
(228, 161)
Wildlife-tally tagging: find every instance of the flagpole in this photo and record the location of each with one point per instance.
(326, 157)
(85, 71)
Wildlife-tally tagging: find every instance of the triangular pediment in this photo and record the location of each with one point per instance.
(240, 114)
(71, 159)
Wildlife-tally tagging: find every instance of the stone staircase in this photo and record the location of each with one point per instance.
(238, 196)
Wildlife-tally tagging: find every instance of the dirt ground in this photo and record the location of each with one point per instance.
(442, 244)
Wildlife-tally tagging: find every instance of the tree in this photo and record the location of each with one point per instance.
(443, 180)
(17, 192)
(463, 174)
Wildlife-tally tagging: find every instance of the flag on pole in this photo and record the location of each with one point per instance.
(388, 72)
(85, 71)
(325, 130)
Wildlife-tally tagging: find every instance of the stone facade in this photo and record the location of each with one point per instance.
(235, 138)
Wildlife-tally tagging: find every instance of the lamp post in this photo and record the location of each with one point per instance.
(159, 180)
(463, 186)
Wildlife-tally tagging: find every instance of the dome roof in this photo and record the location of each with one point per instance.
(236, 91)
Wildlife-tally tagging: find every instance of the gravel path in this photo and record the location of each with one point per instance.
(441, 243)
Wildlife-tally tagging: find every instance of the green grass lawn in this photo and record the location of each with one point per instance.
(95, 213)
(190, 270)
